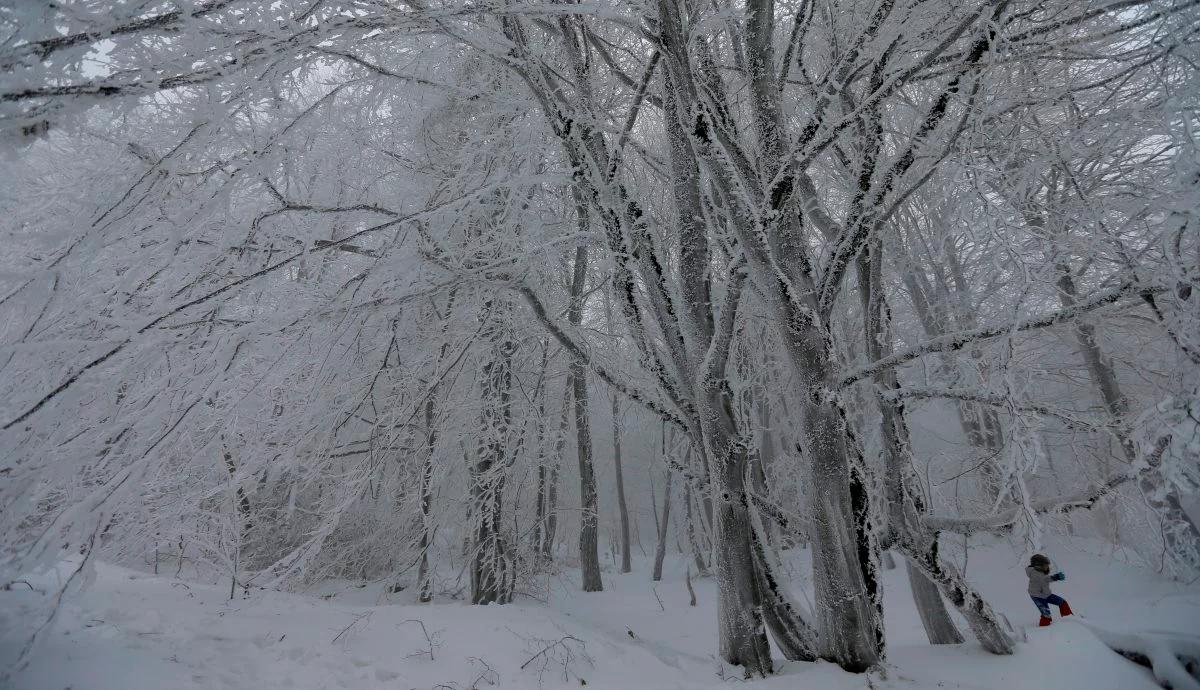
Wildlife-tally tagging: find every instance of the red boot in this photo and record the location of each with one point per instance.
(1043, 622)
(1065, 609)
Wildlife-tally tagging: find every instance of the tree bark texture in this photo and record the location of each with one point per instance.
(491, 571)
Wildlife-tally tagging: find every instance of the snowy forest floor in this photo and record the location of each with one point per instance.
(132, 631)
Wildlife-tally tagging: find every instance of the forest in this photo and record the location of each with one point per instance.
(493, 327)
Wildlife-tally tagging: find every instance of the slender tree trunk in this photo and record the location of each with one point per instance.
(980, 617)
(424, 580)
(693, 538)
(241, 509)
(589, 546)
(589, 521)
(660, 551)
(626, 566)
(622, 509)
(539, 523)
(920, 545)
(550, 512)
(539, 519)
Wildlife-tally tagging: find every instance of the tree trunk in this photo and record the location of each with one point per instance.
(660, 551)
(589, 546)
(621, 507)
(424, 580)
(589, 519)
(491, 571)
(939, 627)
(424, 570)
(241, 509)
(845, 569)
(560, 442)
(739, 598)
(539, 518)
(765, 459)
(693, 538)
(979, 615)
(743, 639)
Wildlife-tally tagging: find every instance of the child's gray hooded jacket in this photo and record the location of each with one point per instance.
(1039, 582)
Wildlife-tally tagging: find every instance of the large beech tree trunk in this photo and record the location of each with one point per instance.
(845, 568)
(743, 639)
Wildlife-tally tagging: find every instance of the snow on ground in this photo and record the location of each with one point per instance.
(132, 631)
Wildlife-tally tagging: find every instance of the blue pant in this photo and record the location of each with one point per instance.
(1043, 604)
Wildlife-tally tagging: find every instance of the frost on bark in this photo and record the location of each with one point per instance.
(784, 179)
(545, 501)
(845, 565)
(903, 510)
(491, 567)
(743, 638)
(424, 576)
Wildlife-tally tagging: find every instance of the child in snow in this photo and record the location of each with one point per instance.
(1040, 578)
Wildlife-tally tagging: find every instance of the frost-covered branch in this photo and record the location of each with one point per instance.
(956, 341)
(993, 399)
(1085, 498)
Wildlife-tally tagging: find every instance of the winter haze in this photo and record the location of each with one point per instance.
(629, 344)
